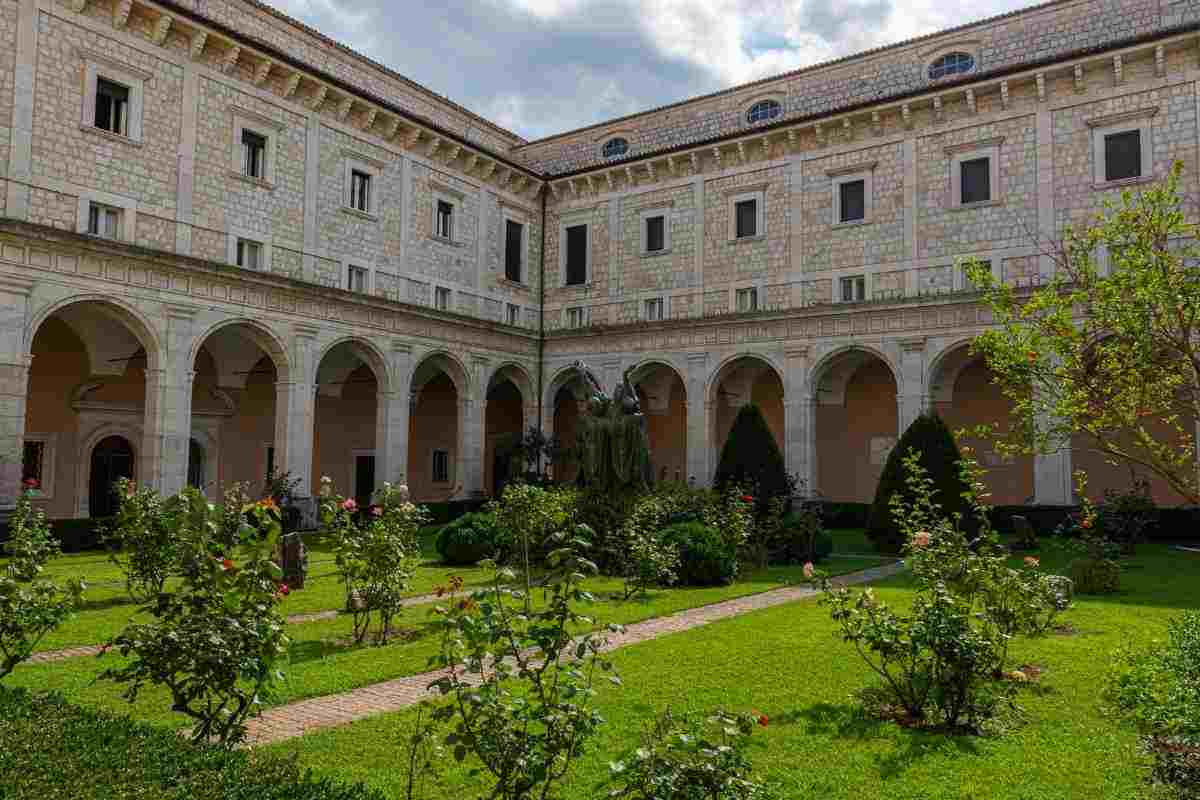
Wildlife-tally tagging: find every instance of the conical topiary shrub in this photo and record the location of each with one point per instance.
(751, 456)
(930, 437)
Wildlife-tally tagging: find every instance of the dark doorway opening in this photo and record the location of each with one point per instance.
(112, 459)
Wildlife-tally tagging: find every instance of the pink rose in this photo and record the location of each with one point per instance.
(350, 505)
(1032, 562)
(921, 539)
(377, 511)
(808, 570)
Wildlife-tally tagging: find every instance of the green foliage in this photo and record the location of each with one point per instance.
(802, 537)
(1124, 516)
(1095, 575)
(31, 605)
(946, 662)
(647, 558)
(468, 539)
(613, 453)
(217, 636)
(939, 457)
(376, 553)
(527, 517)
(751, 457)
(683, 757)
(56, 750)
(519, 681)
(145, 537)
(706, 558)
(1125, 370)
(1159, 691)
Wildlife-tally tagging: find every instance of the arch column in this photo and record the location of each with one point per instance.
(295, 412)
(800, 446)
(14, 386)
(913, 400)
(1052, 478)
(392, 412)
(472, 416)
(699, 412)
(167, 430)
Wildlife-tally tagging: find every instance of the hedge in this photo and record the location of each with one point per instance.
(52, 749)
(76, 535)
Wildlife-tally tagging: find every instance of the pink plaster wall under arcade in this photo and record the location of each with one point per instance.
(345, 423)
(566, 424)
(1119, 477)
(845, 470)
(505, 416)
(667, 434)
(433, 425)
(767, 394)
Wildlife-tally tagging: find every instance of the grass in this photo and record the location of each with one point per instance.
(322, 660)
(789, 663)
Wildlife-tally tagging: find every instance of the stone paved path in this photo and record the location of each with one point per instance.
(294, 619)
(297, 719)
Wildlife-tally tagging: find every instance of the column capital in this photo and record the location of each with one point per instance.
(13, 284)
(402, 347)
(177, 312)
(913, 345)
(303, 330)
(797, 351)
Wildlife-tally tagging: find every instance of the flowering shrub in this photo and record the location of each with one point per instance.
(527, 519)
(647, 559)
(215, 638)
(730, 511)
(376, 553)
(706, 558)
(520, 684)
(31, 605)
(146, 541)
(1095, 568)
(946, 662)
(686, 758)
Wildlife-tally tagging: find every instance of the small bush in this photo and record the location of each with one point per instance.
(54, 749)
(1095, 575)
(705, 557)
(939, 457)
(802, 538)
(751, 457)
(467, 540)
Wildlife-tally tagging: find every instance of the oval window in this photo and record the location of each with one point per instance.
(616, 147)
(951, 64)
(763, 110)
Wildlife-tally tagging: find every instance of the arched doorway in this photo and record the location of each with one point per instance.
(347, 444)
(437, 465)
(112, 460)
(742, 381)
(197, 476)
(663, 399)
(856, 420)
(504, 426)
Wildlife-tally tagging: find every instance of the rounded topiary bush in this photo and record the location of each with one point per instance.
(751, 457)
(939, 454)
(705, 558)
(468, 539)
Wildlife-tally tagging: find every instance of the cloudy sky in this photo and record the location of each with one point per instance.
(540, 67)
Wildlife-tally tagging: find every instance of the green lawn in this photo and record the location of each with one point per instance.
(788, 662)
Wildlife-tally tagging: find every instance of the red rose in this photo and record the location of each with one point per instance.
(284, 590)
(227, 564)
(747, 498)
(30, 483)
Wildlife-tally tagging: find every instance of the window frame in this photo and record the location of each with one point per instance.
(972, 151)
(861, 283)
(751, 292)
(584, 314)
(370, 167)
(1141, 121)
(660, 303)
(260, 160)
(97, 66)
(512, 314)
(126, 206)
(445, 453)
(243, 120)
(852, 174)
(563, 227)
(368, 280)
(256, 237)
(440, 292)
(757, 194)
(523, 268)
(49, 441)
(644, 217)
(772, 102)
(939, 60)
(610, 140)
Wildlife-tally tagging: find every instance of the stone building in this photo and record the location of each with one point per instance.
(229, 245)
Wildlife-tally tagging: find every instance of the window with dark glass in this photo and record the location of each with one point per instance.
(763, 110)
(104, 221)
(746, 214)
(577, 244)
(360, 192)
(976, 178)
(514, 240)
(441, 466)
(32, 462)
(854, 289)
(445, 220)
(656, 233)
(514, 314)
(951, 64)
(249, 254)
(254, 154)
(616, 147)
(852, 201)
(1122, 155)
(441, 298)
(356, 279)
(747, 299)
(112, 107)
(654, 309)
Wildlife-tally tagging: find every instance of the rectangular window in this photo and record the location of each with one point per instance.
(1123, 155)
(270, 462)
(854, 289)
(104, 221)
(254, 154)
(852, 201)
(33, 463)
(577, 254)
(441, 466)
(112, 107)
(441, 298)
(976, 180)
(575, 317)
(360, 191)
(445, 220)
(656, 234)
(746, 213)
(747, 299)
(249, 254)
(356, 279)
(514, 240)
(513, 314)
(654, 309)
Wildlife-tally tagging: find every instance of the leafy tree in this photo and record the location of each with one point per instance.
(31, 605)
(938, 456)
(1113, 354)
(145, 537)
(751, 456)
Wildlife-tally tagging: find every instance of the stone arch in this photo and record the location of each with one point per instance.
(119, 311)
(365, 353)
(662, 391)
(518, 375)
(946, 366)
(257, 332)
(721, 370)
(740, 379)
(350, 417)
(509, 410)
(567, 375)
(435, 361)
(443, 457)
(830, 374)
(129, 431)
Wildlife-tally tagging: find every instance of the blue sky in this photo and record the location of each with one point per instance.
(540, 67)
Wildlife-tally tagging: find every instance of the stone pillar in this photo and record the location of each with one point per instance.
(470, 430)
(295, 412)
(1052, 479)
(167, 430)
(14, 386)
(912, 400)
(391, 436)
(799, 433)
(698, 421)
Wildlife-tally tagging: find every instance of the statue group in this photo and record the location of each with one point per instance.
(614, 451)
